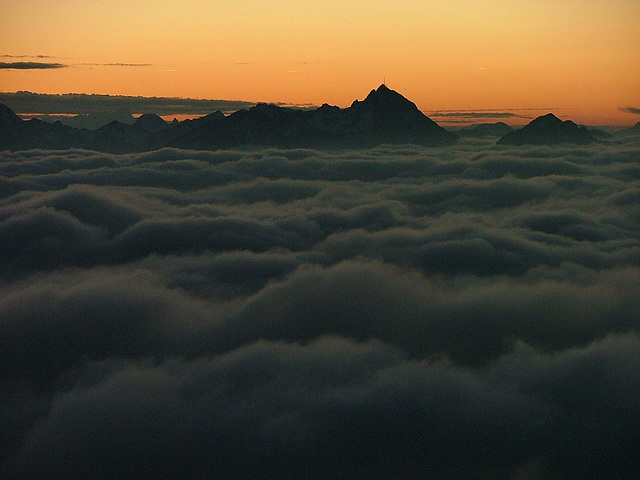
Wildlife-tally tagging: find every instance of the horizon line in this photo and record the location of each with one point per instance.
(447, 116)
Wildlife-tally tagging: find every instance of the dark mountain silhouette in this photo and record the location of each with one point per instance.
(150, 122)
(91, 121)
(387, 116)
(7, 117)
(16, 134)
(118, 137)
(384, 116)
(498, 129)
(548, 130)
(11, 128)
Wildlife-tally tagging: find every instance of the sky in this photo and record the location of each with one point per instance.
(395, 312)
(577, 58)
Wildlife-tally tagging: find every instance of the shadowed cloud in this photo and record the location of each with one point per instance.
(393, 312)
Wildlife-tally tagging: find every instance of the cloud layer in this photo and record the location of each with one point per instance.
(398, 312)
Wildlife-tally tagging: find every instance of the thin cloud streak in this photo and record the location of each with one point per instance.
(26, 56)
(477, 114)
(118, 64)
(31, 65)
(635, 111)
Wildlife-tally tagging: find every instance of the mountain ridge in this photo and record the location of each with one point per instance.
(480, 130)
(384, 116)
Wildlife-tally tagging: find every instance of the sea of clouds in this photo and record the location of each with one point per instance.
(398, 312)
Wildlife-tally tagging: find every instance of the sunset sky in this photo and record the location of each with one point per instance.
(580, 59)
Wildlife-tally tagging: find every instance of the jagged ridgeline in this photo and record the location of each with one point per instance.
(384, 116)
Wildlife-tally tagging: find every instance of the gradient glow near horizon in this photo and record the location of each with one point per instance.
(580, 57)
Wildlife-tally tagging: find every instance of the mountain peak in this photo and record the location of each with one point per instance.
(8, 116)
(392, 118)
(385, 92)
(548, 130)
(150, 122)
(548, 119)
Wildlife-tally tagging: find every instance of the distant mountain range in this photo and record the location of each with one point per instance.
(485, 130)
(384, 116)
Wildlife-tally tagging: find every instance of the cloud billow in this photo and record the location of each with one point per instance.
(392, 312)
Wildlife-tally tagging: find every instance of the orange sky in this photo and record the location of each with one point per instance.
(578, 58)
